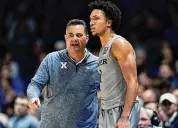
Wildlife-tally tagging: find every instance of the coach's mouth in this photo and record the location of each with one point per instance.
(75, 44)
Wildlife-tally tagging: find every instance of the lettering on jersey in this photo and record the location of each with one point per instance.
(63, 65)
(104, 61)
(105, 50)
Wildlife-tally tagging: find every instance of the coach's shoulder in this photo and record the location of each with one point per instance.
(53, 54)
(51, 57)
(93, 57)
(57, 54)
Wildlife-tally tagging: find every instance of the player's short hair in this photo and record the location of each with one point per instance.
(78, 22)
(111, 11)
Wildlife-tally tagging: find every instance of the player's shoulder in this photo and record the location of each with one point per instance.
(121, 43)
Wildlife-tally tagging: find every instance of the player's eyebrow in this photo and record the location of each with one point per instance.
(95, 16)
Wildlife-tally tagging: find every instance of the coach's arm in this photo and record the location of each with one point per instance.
(37, 83)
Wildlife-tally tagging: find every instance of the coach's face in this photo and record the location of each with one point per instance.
(76, 38)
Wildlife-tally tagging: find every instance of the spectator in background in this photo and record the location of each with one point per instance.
(149, 95)
(152, 105)
(176, 68)
(17, 83)
(162, 116)
(144, 119)
(140, 59)
(20, 16)
(3, 120)
(167, 56)
(7, 96)
(145, 80)
(13, 66)
(168, 104)
(175, 93)
(22, 119)
(171, 33)
(148, 118)
(167, 75)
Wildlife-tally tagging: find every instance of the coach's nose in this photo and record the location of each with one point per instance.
(75, 37)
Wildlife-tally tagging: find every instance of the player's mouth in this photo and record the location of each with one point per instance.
(92, 29)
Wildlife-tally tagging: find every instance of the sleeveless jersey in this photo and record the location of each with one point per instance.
(113, 85)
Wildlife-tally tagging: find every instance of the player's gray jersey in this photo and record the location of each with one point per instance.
(113, 85)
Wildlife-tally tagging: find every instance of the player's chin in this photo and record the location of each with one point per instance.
(94, 33)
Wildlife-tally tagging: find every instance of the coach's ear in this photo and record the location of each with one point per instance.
(87, 39)
(65, 36)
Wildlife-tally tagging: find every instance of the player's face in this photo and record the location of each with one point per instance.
(98, 22)
(76, 38)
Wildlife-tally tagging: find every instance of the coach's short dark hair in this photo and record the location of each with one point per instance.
(78, 22)
(111, 11)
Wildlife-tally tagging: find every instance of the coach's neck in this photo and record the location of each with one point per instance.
(77, 56)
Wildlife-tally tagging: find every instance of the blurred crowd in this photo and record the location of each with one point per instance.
(30, 29)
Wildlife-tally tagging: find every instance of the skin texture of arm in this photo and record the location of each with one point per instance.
(123, 52)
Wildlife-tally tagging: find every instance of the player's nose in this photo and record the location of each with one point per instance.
(91, 23)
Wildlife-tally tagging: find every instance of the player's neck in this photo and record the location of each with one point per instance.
(106, 36)
(77, 56)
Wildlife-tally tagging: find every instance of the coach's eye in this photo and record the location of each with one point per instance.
(70, 35)
(79, 35)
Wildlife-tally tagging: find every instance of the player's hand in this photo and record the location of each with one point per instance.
(34, 103)
(123, 123)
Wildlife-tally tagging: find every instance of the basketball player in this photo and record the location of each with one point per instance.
(119, 85)
(72, 82)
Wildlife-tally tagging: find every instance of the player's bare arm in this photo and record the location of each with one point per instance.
(124, 53)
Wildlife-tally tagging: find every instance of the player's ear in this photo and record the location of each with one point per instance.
(109, 23)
